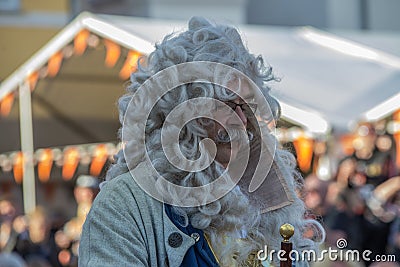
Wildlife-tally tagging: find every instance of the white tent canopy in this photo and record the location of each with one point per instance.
(325, 80)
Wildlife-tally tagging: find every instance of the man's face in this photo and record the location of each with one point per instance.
(225, 118)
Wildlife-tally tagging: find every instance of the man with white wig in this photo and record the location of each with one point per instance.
(201, 180)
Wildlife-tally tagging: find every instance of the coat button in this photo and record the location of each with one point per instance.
(175, 239)
(195, 236)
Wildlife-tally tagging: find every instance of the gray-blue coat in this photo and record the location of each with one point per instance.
(127, 227)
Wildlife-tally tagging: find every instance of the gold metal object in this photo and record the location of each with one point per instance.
(211, 248)
(286, 231)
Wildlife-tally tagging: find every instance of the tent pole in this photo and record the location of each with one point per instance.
(26, 132)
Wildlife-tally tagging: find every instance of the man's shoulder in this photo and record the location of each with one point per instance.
(126, 181)
(124, 188)
(121, 184)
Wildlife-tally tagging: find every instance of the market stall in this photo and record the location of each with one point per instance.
(68, 90)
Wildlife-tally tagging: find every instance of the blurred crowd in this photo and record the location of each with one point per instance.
(38, 239)
(359, 202)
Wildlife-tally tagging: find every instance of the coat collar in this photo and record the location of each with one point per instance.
(176, 254)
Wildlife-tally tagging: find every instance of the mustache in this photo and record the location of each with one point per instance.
(223, 137)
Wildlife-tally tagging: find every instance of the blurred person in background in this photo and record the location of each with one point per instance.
(315, 191)
(365, 186)
(35, 242)
(85, 191)
(67, 239)
(8, 236)
(345, 219)
(371, 163)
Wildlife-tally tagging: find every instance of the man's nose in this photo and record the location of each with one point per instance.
(241, 115)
